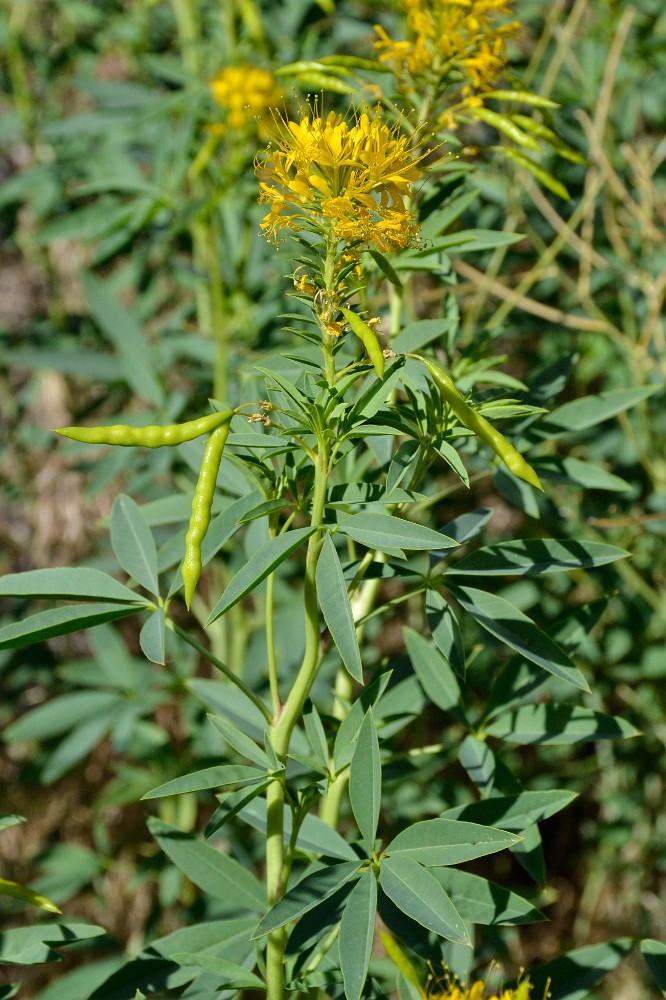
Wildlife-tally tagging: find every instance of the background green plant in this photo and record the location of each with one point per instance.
(107, 118)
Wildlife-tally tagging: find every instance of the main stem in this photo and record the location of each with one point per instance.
(282, 728)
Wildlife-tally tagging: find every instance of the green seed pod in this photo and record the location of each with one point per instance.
(504, 124)
(368, 338)
(473, 420)
(202, 503)
(152, 436)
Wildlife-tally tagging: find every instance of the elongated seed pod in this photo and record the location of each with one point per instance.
(152, 436)
(368, 338)
(473, 420)
(202, 503)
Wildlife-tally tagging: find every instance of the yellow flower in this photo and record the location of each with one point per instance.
(349, 182)
(449, 989)
(450, 34)
(246, 94)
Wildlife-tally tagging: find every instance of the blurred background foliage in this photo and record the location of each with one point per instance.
(134, 281)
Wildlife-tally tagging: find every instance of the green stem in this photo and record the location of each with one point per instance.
(222, 667)
(282, 728)
(270, 645)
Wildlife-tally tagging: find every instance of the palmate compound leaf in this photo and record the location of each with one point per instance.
(447, 841)
(514, 628)
(306, 894)
(357, 932)
(418, 894)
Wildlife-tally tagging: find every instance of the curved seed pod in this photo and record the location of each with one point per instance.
(368, 338)
(152, 436)
(201, 509)
(473, 420)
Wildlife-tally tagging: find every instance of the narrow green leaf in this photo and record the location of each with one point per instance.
(257, 568)
(152, 638)
(482, 902)
(514, 812)
(120, 327)
(33, 945)
(316, 735)
(11, 819)
(445, 629)
(479, 761)
(579, 414)
(572, 471)
(535, 556)
(573, 975)
(473, 240)
(403, 462)
(378, 531)
(307, 894)
(58, 715)
(79, 743)
(452, 458)
(654, 953)
(220, 531)
(514, 628)
(435, 674)
(335, 606)
(365, 782)
(27, 895)
(357, 932)
(71, 584)
(216, 873)
(288, 388)
(446, 841)
(386, 268)
(220, 776)
(231, 975)
(314, 835)
(133, 543)
(416, 335)
(439, 220)
(418, 894)
(61, 621)
(240, 741)
(552, 725)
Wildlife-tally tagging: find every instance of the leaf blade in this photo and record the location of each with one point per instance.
(336, 608)
(262, 562)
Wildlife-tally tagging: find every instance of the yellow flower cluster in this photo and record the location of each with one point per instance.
(349, 182)
(450, 990)
(246, 94)
(449, 34)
